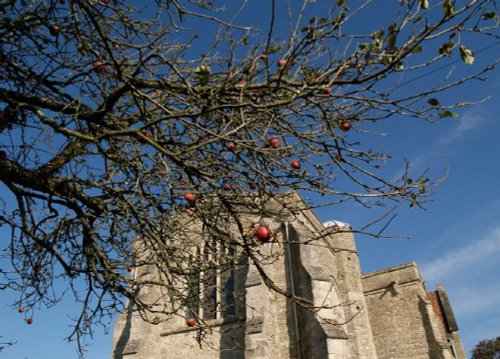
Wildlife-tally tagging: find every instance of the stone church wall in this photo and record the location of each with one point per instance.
(338, 313)
(402, 319)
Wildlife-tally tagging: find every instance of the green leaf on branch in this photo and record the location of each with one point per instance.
(391, 41)
(447, 113)
(446, 48)
(203, 73)
(467, 55)
(424, 4)
(417, 50)
(448, 8)
(489, 15)
(434, 102)
(337, 22)
(386, 59)
(377, 39)
(273, 49)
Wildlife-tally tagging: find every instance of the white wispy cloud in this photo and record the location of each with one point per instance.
(446, 145)
(477, 299)
(471, 275)
(466, 123)
(475, 254)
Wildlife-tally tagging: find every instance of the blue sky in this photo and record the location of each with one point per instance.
(456, 242)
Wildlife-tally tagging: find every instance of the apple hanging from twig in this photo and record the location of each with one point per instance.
(262, 233)
(190, 197)
(54, 30)
(282, 62)
(345, 125)
(191, 322)
(273, 142)
(99, 66)
(295, 164)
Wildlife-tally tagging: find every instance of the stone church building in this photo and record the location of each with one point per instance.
(385, 314)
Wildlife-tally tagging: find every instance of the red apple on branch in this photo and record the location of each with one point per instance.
(191, 322)
(327, 90)
(262, 233)
(190, 212)
(99, 66)
(273, 142)
(282, 62)
(190, 197)
(29, 321)
(231, 146)
(295, 164)
(54, 30)
(21, 310)
(345, 125)
(227, 187)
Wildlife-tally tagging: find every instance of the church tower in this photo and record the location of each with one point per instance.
(306, 299)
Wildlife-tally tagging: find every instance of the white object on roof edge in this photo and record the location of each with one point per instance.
(334, 223)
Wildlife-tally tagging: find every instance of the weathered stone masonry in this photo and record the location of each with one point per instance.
(386, 314)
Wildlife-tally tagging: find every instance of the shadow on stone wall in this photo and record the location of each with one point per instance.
(124, 335)
(232, 336)
(435, 351)
(311, 343)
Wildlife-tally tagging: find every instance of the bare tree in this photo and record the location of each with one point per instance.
(115, 119)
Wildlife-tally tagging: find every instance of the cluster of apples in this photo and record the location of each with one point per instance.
(191, 198)
(345, 125)
(21, 310)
